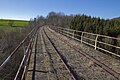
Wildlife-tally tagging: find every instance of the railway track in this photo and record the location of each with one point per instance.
(56, 58)
(56, 64)
(94, 60)
(59, 59)
(37, 68)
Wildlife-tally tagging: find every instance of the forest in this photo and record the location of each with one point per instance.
(96, 25)
(108, 27)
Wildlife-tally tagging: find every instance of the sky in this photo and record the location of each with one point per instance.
(26, 9)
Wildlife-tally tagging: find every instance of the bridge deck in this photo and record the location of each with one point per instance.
(82, 67)
(37, 65)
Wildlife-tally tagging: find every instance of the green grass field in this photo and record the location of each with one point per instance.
(16, 23)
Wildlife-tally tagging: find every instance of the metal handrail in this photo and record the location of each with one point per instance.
(25, 59)
(26, 55)
(22, 62)
(90, 33)
(15, 50)
(67, 32)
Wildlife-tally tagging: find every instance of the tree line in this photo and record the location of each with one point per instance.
(96, 25)
(99, 26)
(108, 27)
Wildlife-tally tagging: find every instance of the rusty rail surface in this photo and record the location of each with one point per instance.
(61, 57)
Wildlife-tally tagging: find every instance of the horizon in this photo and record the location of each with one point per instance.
(27, 9)
(14, 19)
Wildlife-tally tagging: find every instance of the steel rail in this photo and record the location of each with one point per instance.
(61, 57)
(46, 51)
(102, 65)
(28, 57)
(25, 59)
(34, 65)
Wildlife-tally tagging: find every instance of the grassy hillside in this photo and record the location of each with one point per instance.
(15, 23)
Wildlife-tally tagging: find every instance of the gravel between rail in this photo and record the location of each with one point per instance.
(57, 65)
(89, 70)
(40, 68)
(49, 66)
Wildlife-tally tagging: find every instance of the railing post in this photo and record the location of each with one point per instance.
(73, 34)
(58, 30)
(68, 33)
(96, 42)
(62, 31)
(24, 48)
(81, 37)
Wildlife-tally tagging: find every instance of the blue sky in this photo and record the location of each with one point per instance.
(26, 9)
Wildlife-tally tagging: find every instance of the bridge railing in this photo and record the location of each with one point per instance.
(103, 43)
(22, 51)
